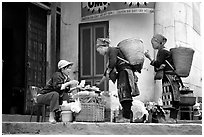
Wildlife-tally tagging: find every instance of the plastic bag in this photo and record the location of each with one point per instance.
(76, 106)
(139, 110)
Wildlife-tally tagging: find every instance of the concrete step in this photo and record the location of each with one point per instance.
(19, 124)
(26, 118)
(87, 128)
(19, 118)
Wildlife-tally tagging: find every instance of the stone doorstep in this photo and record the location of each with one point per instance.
(18, 118)
(26, 118)
(19, 124)
(105, 128)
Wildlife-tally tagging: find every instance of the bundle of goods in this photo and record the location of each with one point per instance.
(140, 113)
(182, 58)
(156, 112)
(92, 105)
(133, 51)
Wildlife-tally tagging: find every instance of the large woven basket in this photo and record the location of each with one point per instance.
(182, 58)
(133, 50)
(91, 112)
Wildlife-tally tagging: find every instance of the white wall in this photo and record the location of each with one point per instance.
(141, 26)
(136, 25)
(193, 40)
(71, 13)
(175, 21)
(120, 28)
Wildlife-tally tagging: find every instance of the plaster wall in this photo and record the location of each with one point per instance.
(120, 28)
(173, 20)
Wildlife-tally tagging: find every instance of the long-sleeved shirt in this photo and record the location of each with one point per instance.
(113, 53)
(55, 83)
(162, 55)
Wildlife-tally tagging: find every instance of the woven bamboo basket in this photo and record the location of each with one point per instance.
(182, 58)
(133, 50)
(91, 112)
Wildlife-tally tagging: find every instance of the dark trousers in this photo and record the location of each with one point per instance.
(51, 99)
(65, 97)
(126, 106)
(174, 111)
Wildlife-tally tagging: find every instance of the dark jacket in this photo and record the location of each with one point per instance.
(126, 78)
(55, 83)
(112, 54)
(162, 55)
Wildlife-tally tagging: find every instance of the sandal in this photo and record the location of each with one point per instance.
(52, 121)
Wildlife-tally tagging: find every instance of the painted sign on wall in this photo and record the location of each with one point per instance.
(94, 10)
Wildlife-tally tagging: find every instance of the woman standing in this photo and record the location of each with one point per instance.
(122, 71)
(164, 64)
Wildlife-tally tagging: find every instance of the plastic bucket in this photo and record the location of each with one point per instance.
(67, 116)
(182, 58)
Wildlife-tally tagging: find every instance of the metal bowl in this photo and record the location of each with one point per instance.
(186, 91)
(187, 101)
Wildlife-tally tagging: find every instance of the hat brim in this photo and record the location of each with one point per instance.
(69, 64)
(101, 45)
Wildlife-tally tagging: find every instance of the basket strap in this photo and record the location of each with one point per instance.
(169, 65)
(181, 82)
(123, 58)
(125, 61)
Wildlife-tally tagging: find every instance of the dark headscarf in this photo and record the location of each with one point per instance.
(102, 42)
(160, 38)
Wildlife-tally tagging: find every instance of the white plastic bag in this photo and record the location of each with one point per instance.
(139, 110)
(76, 106)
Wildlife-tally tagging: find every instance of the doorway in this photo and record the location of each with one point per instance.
(13, 55)
(23, 53)
(91, 64)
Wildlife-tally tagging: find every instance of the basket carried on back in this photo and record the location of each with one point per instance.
(182, 58)
(133, 50)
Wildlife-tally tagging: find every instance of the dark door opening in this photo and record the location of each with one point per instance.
(13, 55)
(91, 64)
(24, 35)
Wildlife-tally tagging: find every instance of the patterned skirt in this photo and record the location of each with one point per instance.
(124, 88)
(170, 91)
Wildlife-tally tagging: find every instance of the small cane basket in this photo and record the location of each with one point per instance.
(91, 112)
(92, 108)
(182, 58)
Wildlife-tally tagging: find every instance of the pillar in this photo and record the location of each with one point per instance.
(53, 37)
(163, 24)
